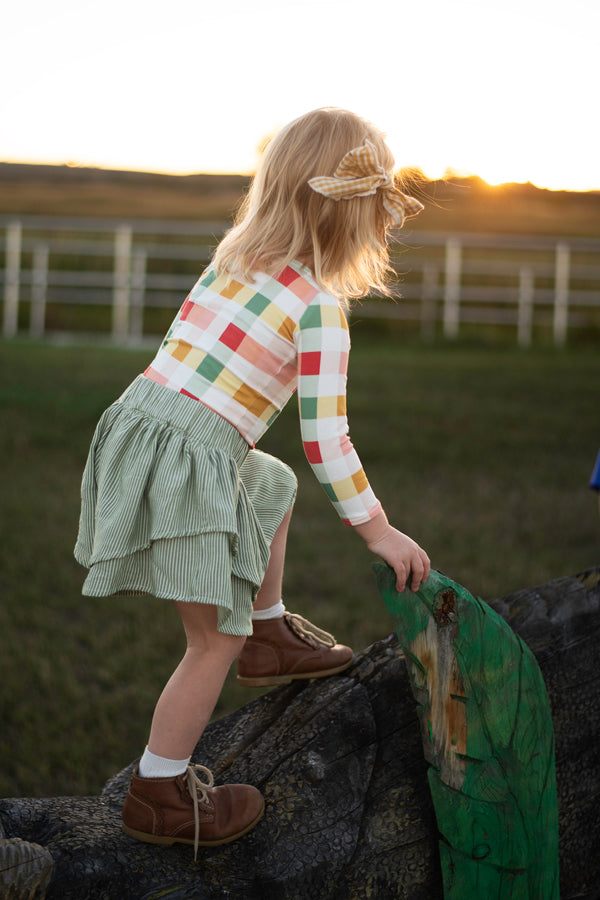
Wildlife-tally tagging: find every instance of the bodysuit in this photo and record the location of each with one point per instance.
(243, 348)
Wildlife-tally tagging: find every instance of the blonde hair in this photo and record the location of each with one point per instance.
(282, 218)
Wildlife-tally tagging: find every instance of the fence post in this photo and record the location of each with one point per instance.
(452, 288)
(12, 276)
(38, 291)
(561, 294)
(138, 288)
(526, 286)
(122, 270)
(428, 296)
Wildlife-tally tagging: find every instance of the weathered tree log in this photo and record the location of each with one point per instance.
(340, 761)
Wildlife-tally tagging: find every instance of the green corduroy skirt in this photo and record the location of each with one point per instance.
(174, 503)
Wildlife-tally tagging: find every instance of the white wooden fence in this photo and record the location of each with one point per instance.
(447, 283)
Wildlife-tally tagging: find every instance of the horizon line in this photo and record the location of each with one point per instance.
(449, 172)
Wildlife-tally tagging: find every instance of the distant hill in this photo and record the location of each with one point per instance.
(73, 191)
(454, 204)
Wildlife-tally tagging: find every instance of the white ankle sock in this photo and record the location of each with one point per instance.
(152, 766)
(271, 612)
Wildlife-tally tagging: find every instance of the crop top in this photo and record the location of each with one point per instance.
(242, 349)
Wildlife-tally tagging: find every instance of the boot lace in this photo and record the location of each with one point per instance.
(308, 632)
(198, 791)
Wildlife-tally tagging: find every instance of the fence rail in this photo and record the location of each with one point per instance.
(130, 268)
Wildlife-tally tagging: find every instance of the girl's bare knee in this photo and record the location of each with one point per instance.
(200, 624)
(228, 643)
(223, 646)
(236, 646)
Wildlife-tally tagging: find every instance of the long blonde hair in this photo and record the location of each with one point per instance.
(282, 218)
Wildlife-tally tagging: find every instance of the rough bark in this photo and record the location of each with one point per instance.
(340, 761)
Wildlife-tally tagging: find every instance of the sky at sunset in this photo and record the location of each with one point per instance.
(507, 90)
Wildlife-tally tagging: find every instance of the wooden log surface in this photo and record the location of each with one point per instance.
(340, 761)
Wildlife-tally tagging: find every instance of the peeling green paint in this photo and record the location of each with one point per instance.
(489, 741)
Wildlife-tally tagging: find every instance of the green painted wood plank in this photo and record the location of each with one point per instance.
(488, 737)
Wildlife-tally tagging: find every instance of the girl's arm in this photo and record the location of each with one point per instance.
(322, 344)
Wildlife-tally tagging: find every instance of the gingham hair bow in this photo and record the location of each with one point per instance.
(358, 175)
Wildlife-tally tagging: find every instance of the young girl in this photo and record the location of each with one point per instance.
(175, 500)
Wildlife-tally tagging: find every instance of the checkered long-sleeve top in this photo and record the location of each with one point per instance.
(242, 349)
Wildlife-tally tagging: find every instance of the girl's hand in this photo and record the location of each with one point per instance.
(410, 563)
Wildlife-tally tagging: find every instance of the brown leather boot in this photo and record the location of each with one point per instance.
(186, 810)
(285, 649)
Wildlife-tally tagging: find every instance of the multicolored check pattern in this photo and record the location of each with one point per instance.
(242, 349)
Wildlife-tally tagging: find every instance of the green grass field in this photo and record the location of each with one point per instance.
(481, 453)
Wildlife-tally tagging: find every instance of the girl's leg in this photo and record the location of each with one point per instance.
(285, 647)
(272, 584)
(185, 807)
(189, 697)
